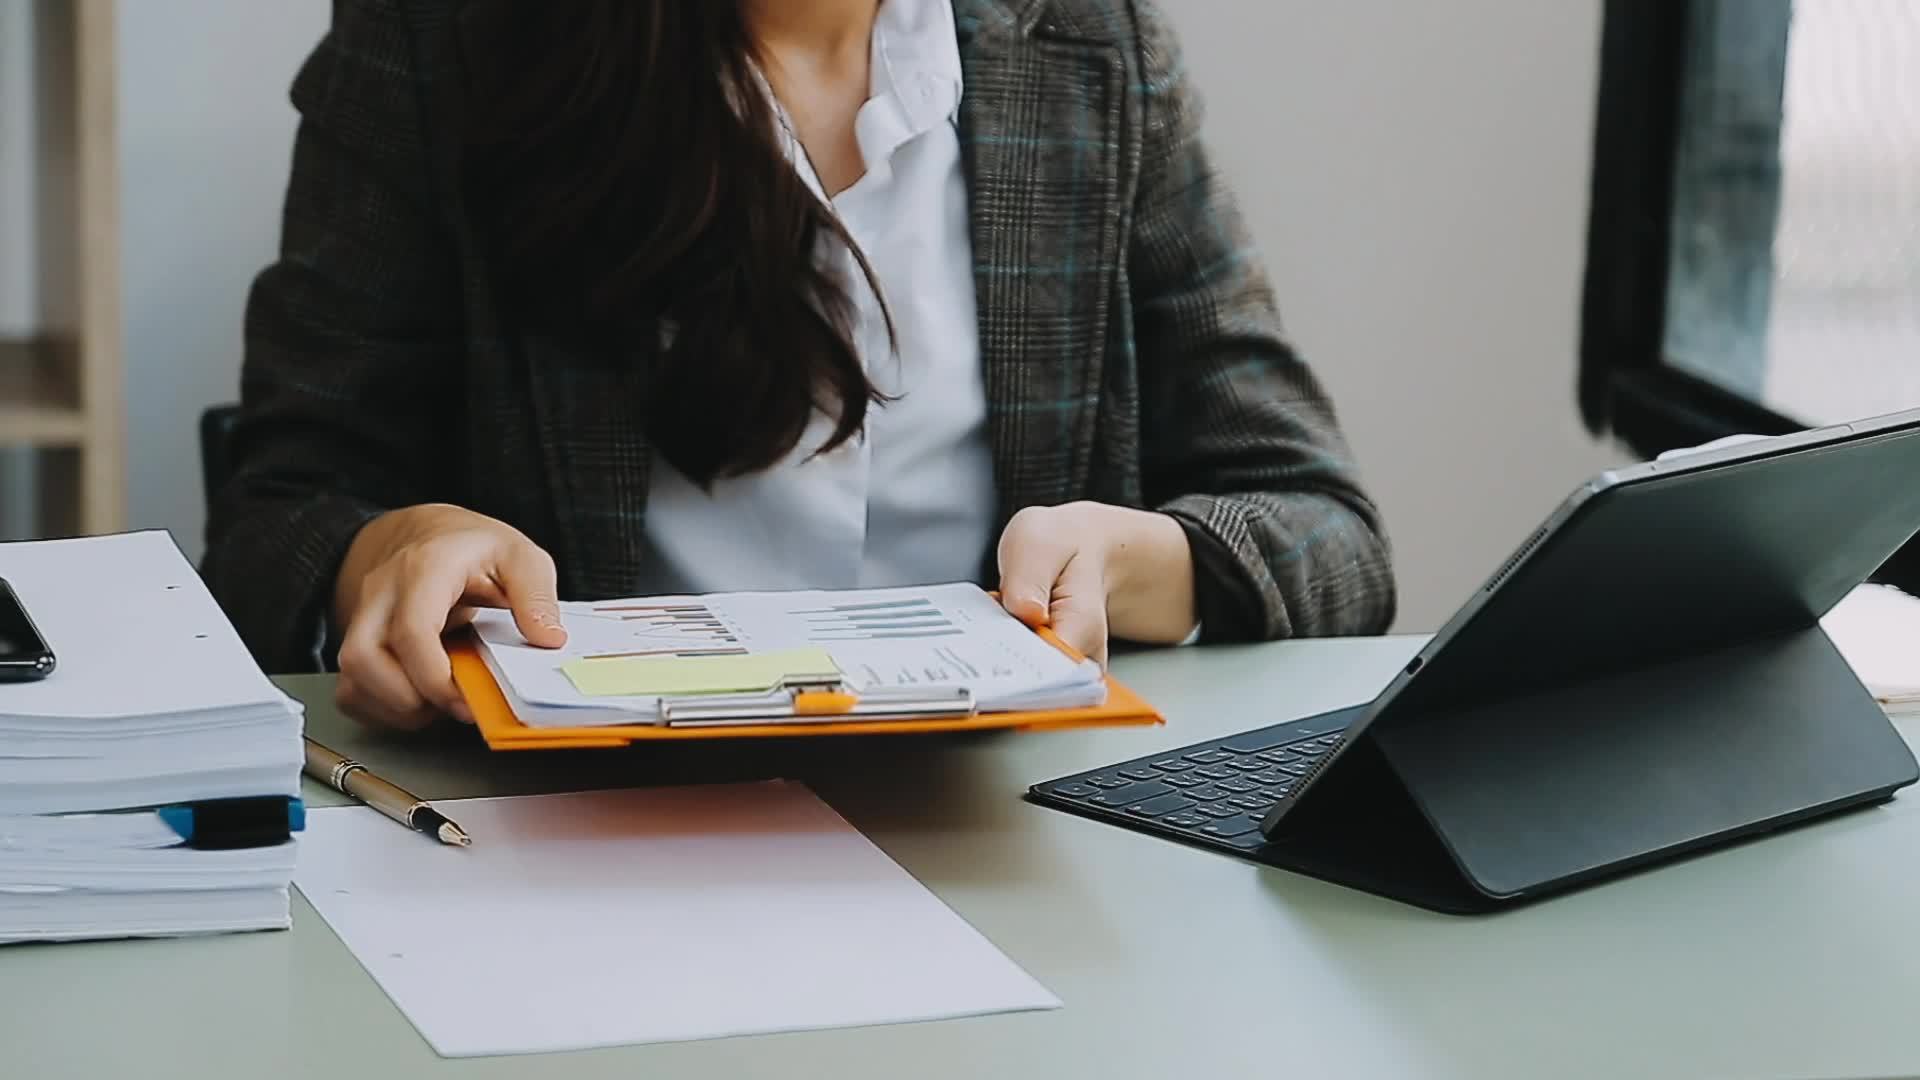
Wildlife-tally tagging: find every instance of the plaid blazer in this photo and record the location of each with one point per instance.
(1131, 346)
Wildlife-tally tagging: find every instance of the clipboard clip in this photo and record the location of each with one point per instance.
(819, 703)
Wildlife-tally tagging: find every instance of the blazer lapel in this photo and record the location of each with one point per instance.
(1040, 133)
(587, 411)
(585, 407)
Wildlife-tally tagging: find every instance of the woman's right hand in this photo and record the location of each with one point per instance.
(409, 577)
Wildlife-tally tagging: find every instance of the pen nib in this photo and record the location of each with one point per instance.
(452, 834)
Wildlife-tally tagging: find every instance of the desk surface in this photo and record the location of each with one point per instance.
(1792, 957)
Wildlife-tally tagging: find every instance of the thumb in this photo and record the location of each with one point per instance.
(1031, 561)
(527, 577)
(1080, 609)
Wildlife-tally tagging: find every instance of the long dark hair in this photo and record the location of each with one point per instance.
(621, 157)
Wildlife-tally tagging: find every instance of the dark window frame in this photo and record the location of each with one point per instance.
(1628, 388)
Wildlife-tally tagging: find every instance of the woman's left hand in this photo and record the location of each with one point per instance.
(1091, 571)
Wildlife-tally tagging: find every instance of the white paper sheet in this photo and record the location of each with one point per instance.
(617, 917)
(1877, 628)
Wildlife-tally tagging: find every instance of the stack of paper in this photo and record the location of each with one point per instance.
(1877, 628)
(887, 648)
(155, 727)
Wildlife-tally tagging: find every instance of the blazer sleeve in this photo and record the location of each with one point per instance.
(1240, 442)
(353, 339)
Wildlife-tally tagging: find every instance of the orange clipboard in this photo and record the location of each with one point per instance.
(504, 731)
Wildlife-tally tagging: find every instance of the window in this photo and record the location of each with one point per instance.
(1795, 243)
(1754, 241)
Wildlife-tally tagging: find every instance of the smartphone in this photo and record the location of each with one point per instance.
(24, 654)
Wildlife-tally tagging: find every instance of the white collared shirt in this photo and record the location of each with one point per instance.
(912, 500)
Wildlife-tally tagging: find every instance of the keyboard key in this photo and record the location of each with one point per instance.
(1238, 786)
(1298, 768)
(1165, 804)
(1075, 791)
(1185, 819)
(1208, 757)
(1280, 756)
(1268, 778)
(1276, 793)
(1131, 794)
(1253, 803)
(1107, 781)
(1237, 825)
(1248, 841)
(1215, 772)
(1255, 741)
(1248, 764)
(1183, 780)
(1309, 750)
(1173, 764)
(1219, 810)
(1140, 774)
(1210, 793)
(1327, 742)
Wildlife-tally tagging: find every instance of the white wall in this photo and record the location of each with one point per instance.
(206, 134)
(1416, 174)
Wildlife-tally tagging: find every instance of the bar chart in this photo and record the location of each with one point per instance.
(883, 620)
(682, 629)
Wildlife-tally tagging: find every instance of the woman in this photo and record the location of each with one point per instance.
(688, 295)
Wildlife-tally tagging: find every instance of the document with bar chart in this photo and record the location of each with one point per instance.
(925, 638)
(664, 627)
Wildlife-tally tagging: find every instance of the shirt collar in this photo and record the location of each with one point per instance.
(915, 84)
(915, 81)
(916, 57)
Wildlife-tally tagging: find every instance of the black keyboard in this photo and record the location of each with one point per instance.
(1213, 793)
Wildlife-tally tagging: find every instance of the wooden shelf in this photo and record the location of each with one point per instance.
(62, 398)
(40, 396)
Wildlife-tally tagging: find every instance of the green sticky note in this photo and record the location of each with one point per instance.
(649, 676)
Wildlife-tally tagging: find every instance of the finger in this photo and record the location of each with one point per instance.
(415, 636)
(364, 707)
(1032, 557)
(1078, 610)
(459, 617)
(376, 688)
(354, 702)
(526, 577)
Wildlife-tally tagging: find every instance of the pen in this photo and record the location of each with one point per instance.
(349, 777)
